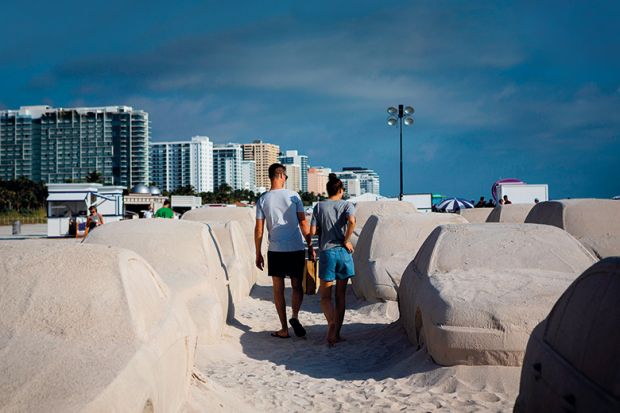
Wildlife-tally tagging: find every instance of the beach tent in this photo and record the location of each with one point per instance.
(503, 181)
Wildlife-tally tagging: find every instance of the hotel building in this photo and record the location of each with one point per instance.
(264, 154)
(227, 165)
(58, 145)
(293, 158)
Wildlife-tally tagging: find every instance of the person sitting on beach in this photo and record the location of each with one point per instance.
(334, 220)
(481, 203)
(283, 211)
(506, 200)
(165, 211)
(94, 219)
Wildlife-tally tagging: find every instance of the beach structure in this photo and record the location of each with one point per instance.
(594, 222)
(475, 215)
(186, 256)
(140, 198)
(237, 258)
(474, 292)
(364, 210)
(184, 203)
(571, 362)
(90, 329)
(380, 260)
(68, 204)
(510, 214)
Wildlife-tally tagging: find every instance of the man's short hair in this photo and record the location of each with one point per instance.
(166, 202)
(275, 169)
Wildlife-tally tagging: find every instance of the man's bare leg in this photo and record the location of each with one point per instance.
(328, 310)
(341, 292)
(297, 295)
(280, 302)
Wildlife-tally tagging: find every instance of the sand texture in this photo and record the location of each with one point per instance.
(245, 216)
(85, 328)
(572, 361)
(186, 256)
(594, 222)
(364, 210)
(386, 246)
(375, 370)
(237, 257)
(475, 215)
(474, 292)
(510, 214)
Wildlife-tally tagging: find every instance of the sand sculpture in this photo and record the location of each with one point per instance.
(91, 329)
(364, 210)
(510, 214)
(474, 292)
(594, 222)
(571, 362)
(237, 258)
(244, 215)
(475, 215)
(186, 256)
(386, 246)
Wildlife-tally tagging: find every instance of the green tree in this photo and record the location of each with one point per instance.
(95, 177)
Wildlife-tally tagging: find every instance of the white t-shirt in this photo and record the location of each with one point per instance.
(279, 209)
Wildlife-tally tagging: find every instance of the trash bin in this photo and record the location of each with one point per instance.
(17, 227)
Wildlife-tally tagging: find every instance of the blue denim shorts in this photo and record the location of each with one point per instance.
(336, 264)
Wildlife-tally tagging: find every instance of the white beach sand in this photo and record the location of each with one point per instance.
(376, 369)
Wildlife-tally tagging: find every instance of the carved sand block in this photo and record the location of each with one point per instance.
(474, 292)
(91, 329)
(510, 214)
(475, 215)
(594, 222)
(185, 254)
(571, 362)
(364, 210)
(386, 246)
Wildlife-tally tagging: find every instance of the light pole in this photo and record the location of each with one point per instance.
(400, 113)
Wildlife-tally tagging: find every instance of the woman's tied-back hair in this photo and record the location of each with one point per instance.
(275, 169)
(334, 184)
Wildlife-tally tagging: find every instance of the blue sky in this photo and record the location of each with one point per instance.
(528, 90)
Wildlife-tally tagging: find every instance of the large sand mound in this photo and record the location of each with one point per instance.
(510, 214)
(364, 210)
(572, 361)
(386, 246)
(475, 215)
(88, 328)
(237, 258)
(474, 292)
(594, 222)
(245, 216)
(186, 256)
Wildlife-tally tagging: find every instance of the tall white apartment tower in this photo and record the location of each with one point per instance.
(201, 164)
(227, 165)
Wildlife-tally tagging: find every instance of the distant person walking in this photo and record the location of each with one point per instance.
(283, 211)
(506, 200)
(334, 221)
(165, 211)
(94, 220)
(149, 212)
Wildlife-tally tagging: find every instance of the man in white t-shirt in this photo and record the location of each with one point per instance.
(283, 212)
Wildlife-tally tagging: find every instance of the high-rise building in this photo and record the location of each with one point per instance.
(293, 182)
(317, 180)
(183, 163)
(227, 165)
(57, 145)
(293, 158)
(170, 165)
(369, 179)
(264, 154)
(201, 164)
(351, 183)
(248, 175)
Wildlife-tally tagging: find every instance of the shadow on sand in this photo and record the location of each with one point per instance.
(371, 350)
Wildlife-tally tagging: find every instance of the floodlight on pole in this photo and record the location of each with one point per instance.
(396, 116)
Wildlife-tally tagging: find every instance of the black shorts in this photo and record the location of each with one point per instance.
(281, 264)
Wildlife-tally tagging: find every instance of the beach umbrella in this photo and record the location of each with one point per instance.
(453, 204)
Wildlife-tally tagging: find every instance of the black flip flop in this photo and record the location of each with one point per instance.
(300, 331)
(279, 336)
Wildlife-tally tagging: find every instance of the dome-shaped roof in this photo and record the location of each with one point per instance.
(140, 189)
(154, 190)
